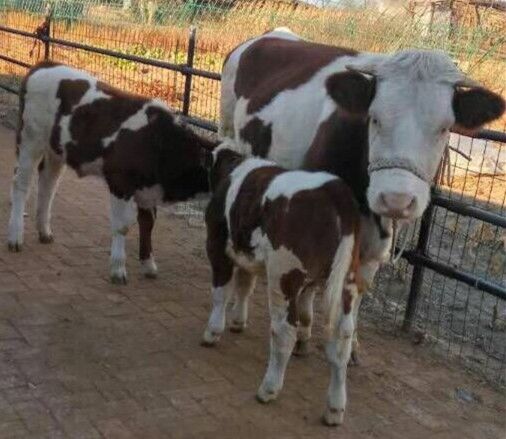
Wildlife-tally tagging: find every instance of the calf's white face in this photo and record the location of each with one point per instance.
(412, 100)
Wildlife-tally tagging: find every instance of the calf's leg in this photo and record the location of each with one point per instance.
(367, 271)
(283, 292)
(305, 308)
(29, 156)
(50, 169)
(244, 284)
(222, 283)
(122, 217)
(338, 352)
(146, 220)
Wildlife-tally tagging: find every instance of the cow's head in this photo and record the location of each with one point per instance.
(412, 100)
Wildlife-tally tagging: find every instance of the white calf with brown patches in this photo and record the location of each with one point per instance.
(301, 229)
(144, 154)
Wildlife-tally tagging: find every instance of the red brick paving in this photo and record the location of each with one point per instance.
(81, 358)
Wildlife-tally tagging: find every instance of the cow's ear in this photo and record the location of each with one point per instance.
(475, 107)
(352, 91)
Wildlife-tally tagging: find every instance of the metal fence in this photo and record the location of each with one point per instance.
(449, 290)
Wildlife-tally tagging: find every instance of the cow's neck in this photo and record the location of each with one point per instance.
(341, 148)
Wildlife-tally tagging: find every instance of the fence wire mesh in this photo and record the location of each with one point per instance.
(459, 320)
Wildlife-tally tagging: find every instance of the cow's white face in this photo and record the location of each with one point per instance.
(409, 127)
(412, 99)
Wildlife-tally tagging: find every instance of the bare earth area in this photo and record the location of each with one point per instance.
(81, 358)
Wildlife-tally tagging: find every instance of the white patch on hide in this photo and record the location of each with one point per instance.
(288, 184)
(237, 177)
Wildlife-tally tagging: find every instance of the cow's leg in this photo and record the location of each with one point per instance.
(122, 217)
(355, 345)
(338, 350)
(244, 286)
(368, 272)
(50, 170)
(283, 311)
(305, 308)
(29, 156)
(146, 220)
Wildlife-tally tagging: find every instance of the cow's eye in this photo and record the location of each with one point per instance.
(444, 130)
(375, 121)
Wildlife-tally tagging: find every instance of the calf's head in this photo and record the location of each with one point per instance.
(411, 100)
(183, 157)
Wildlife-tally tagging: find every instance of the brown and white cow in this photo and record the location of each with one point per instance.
(301, 228)
(379, 121)
(144, 154)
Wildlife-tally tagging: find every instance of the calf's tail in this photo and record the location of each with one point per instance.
(335, 283)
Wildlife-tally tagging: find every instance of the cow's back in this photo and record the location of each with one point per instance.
(274, 96)
(274, 64)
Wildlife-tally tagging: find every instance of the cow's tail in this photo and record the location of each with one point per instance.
(335, 283)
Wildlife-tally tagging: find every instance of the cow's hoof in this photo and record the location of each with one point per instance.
(15, 246)
(266, 395)
(209, 338)
(237, 327)
(333, 417)
(119, 278)
(354, 359)
(46, 239)
(301, 348)
(149, 268)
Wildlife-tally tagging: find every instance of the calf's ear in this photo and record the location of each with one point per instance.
(474, 108)
(352, 91)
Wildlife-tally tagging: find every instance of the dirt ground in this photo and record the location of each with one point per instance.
(81, 358)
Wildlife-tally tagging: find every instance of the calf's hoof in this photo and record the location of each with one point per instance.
(333, 417)
(265, 394)
(119, 278)
(301, 348)
(15, 246)
(149, 268)
(354, 359)
(210, 338)
(46, 239)
(237, 327)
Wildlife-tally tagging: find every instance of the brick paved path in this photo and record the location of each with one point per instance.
(80, 358)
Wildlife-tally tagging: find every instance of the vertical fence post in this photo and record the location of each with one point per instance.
(45, 33)
(418, 270)
(189, 63)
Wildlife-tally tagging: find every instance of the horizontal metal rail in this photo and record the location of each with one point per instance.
(14, 31)
(465, 209)
(495, 136)
(182, 68)
(9, 89)
(201, 123)
(15, 61)
(415, 258)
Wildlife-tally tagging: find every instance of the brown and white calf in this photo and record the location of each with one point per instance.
(301, 229)
(144, 154)
(379, 121)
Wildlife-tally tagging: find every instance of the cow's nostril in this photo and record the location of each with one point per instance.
(398, 204)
